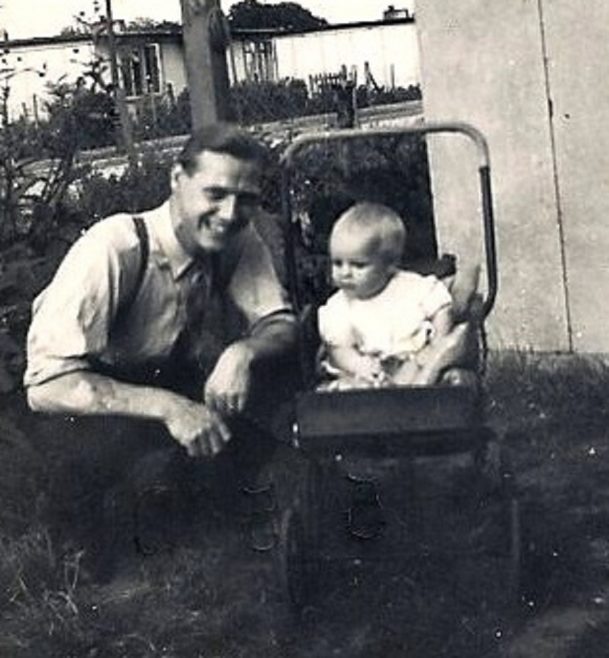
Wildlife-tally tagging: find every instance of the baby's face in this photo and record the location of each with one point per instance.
(358, 269)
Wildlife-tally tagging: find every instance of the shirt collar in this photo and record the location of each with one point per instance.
(172, 253)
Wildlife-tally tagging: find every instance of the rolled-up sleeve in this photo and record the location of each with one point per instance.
(71, 318)
(254, 286)
(335, 327)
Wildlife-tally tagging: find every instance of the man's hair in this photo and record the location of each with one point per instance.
(221, 138)
(383, 225)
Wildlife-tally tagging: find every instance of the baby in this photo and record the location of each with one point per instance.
(384, 326)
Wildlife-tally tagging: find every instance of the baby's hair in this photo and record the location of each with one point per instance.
(381, 223)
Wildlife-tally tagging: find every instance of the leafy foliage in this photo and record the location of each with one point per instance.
(258, 102)
(79, 116)
(162, 117)
(139, 24)
(288, 99)
(144, 23)
(136, 189)
(330, 177)
(250, 14)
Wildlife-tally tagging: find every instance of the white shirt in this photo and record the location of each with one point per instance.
(392, 323)
(74, 317)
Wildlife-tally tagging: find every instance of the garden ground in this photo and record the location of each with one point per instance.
(210, 595)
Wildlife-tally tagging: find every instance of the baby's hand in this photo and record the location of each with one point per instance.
(370, 370)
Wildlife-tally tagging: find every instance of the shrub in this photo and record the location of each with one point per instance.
(383, 96)
(162, 117)
(256, 102)
(329, 177)
(136, 189)
(31, 195)
(269, 101)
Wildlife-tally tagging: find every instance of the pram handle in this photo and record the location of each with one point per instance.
(287, 160)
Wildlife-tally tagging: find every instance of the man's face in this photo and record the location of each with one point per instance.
(213, 203)
(357, 267)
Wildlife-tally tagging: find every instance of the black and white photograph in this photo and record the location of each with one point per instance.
(216, 217)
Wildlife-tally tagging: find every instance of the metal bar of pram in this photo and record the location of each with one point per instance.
(489, 240)
(469, 131)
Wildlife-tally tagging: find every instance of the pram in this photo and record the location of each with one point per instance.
(395, 429)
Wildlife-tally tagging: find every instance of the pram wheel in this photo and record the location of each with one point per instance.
(298, 556)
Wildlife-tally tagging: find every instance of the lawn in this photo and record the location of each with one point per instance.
(210, 595)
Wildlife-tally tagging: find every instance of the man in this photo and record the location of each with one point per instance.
(119, 331)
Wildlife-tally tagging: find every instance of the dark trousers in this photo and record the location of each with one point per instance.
(114, 482)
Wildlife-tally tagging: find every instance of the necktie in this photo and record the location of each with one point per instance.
(198, 296)
(200, 342)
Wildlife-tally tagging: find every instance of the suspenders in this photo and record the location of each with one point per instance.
(142, 236)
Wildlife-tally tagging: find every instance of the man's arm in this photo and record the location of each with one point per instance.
(228, 386)
(195, 426)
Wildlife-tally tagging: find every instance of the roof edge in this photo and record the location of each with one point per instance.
(177, 33)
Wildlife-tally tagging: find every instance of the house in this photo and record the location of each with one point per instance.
(386, 50)
(151, 62)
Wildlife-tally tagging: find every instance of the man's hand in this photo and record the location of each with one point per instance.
(199, 429)
(228, 386)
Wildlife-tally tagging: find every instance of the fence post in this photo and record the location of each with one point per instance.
(35, 109)
(205, 42)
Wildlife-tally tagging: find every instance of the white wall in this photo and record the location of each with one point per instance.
(531, 76)
(62, 64)
(578, 70)
(173, 69)
(301, 55)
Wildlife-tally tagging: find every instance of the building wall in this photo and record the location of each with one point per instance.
(64, 62)
(173, 67)
(391, 51)
(578, 70)
(385, 47)
(526, 73)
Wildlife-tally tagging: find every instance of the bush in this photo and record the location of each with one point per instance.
(392, 170)
(256, 102)
(31, 195)
(269, 101)
(136, 189)
(162, 117)
(383, 96)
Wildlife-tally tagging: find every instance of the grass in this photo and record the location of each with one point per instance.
(212, 597)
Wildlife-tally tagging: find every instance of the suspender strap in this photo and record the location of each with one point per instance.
(142, 236)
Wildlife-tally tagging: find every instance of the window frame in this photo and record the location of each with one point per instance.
(137, 79)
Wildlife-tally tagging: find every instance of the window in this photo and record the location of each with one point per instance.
(259, 61)
(140, 69)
